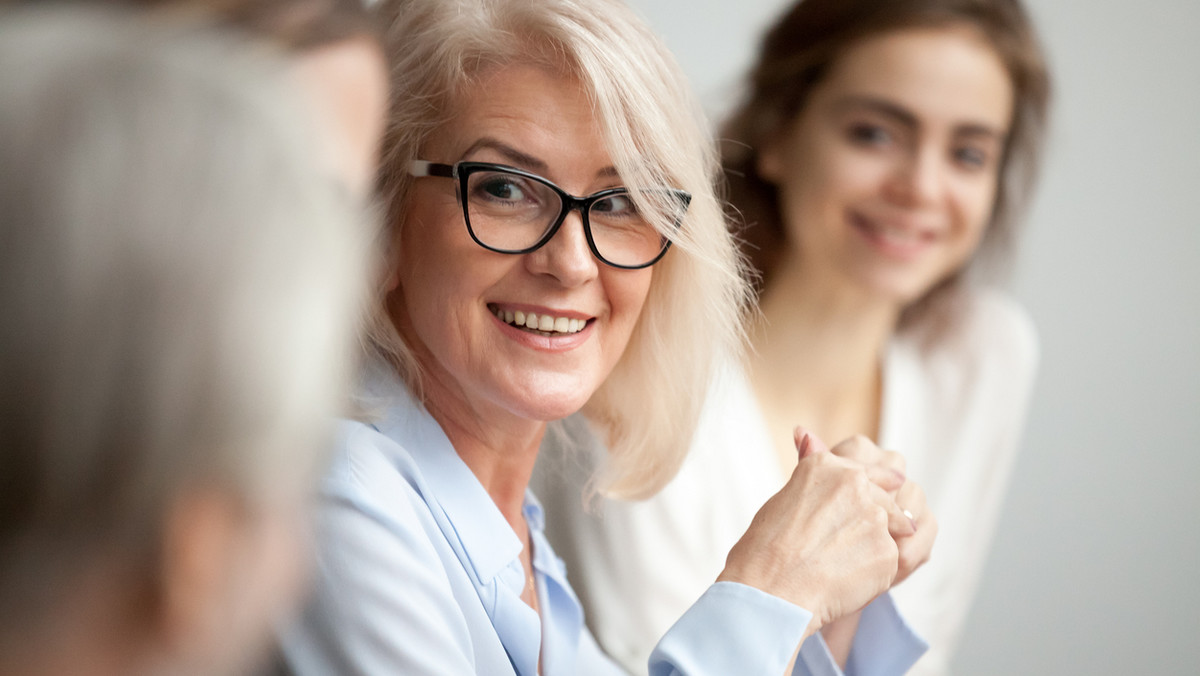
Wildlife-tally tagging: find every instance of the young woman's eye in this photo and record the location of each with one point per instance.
(869, 135)
(972, 157)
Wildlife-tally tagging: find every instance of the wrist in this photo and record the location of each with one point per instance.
(799, 595)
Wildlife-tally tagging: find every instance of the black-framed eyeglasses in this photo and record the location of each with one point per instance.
(511, 211)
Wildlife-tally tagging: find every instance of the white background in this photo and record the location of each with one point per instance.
(1096, 566)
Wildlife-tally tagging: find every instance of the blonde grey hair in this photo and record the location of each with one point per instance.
(179, 286)
(655, 134)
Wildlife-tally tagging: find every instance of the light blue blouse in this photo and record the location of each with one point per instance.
(419, 573)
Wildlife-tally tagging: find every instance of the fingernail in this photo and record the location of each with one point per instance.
(911, 519)
(804, 444)
(899, 476)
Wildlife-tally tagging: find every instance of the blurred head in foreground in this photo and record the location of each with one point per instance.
(337, 57)
(180, 278)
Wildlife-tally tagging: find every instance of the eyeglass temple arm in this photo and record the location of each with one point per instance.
(419, 168)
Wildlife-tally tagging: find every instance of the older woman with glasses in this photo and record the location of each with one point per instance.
(555, 247)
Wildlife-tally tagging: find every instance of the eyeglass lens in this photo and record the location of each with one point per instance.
(510, 212)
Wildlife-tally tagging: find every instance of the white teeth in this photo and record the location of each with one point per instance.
(895, 235)
(545, 324)
(898, 236)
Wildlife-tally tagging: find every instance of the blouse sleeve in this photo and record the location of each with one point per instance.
(735, 628)
(732, 629)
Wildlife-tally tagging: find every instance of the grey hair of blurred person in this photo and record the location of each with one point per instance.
(179, 284)
(656, 135)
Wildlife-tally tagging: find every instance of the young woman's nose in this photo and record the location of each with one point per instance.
(919, 177)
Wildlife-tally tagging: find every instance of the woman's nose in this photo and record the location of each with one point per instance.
(566, 257)
(918, 178)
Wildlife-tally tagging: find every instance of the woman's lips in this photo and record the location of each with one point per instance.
(564, 329)
(896, 241)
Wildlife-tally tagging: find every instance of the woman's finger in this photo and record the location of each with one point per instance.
(884, 468)
(911, 498)
(885, 477)
(899, 523)
(808, 443)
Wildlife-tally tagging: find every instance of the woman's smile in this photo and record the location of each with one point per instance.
(896, 238)
(541, 321)
(542, 328)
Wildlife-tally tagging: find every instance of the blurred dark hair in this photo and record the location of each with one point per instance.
(799, 51)
(298, 25)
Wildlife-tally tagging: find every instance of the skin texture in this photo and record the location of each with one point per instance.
(492, 386)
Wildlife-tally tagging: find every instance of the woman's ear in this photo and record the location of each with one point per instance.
(392, 279)
(200, 539)
(768, 162)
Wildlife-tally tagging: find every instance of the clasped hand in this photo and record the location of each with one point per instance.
(846, 527)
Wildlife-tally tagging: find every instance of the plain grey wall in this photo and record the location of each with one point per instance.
(1096, 565)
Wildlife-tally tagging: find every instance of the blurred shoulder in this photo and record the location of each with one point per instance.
(375, 475)
(986, 354)
(994, 323)
(985, 324)
(362, 453)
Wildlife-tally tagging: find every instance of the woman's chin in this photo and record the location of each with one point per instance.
(548, 403)
(899, 288)
(549, 409)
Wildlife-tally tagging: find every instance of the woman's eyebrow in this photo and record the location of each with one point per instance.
(521, 159)
(883, 107)
(978, 130)
(513, 156)
(906, 118)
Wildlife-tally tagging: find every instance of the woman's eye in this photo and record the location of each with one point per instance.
(972, 157)
(503, 189)
(617, 205)
(869, 134)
